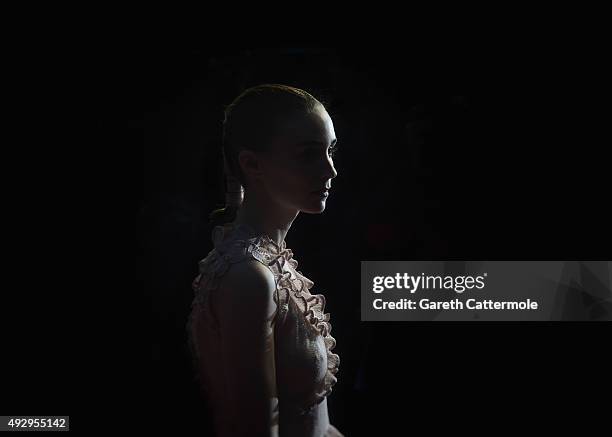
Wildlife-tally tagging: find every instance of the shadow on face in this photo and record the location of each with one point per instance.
(300, 163)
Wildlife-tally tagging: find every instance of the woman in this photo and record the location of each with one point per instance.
(261, 341)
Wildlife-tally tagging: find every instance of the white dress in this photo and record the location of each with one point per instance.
(302, 365)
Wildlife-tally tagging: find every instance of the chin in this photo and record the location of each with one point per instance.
(317, 208)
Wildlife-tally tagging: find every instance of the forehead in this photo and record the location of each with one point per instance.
(316, 126)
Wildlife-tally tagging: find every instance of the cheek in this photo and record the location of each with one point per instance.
(288, 182)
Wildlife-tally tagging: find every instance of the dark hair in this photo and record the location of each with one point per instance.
(250, 122)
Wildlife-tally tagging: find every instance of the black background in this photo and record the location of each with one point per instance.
(512, 170)
(515, 169)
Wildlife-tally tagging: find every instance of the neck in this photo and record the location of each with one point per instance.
(265, 216)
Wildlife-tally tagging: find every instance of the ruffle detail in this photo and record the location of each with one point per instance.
(227, 251)
(312, 306)
(244, 243)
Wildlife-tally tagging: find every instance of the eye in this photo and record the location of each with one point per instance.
(332, 150)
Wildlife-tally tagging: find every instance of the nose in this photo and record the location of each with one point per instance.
(330, 171)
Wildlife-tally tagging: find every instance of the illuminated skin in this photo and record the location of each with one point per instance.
(281, 181)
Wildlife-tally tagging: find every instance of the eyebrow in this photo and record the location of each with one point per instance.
(317, 143)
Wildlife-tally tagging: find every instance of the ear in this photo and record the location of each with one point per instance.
(250, 164)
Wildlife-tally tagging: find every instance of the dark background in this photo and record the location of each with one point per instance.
(515, 169)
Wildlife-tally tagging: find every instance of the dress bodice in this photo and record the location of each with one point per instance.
(304, 364)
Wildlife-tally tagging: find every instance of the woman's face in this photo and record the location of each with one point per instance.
(298, 166)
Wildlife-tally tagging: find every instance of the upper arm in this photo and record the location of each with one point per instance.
(245, 309)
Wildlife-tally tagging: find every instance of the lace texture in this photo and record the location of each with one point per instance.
(294, 286)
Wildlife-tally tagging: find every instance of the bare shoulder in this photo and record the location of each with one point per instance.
(248, 286)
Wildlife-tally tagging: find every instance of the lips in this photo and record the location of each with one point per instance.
(321, 191)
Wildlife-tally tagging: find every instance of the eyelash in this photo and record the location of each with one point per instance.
(331, 151)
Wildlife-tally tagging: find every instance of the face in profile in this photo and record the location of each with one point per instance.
(297, 170)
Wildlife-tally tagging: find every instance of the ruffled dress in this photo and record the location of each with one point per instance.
(304, 366)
